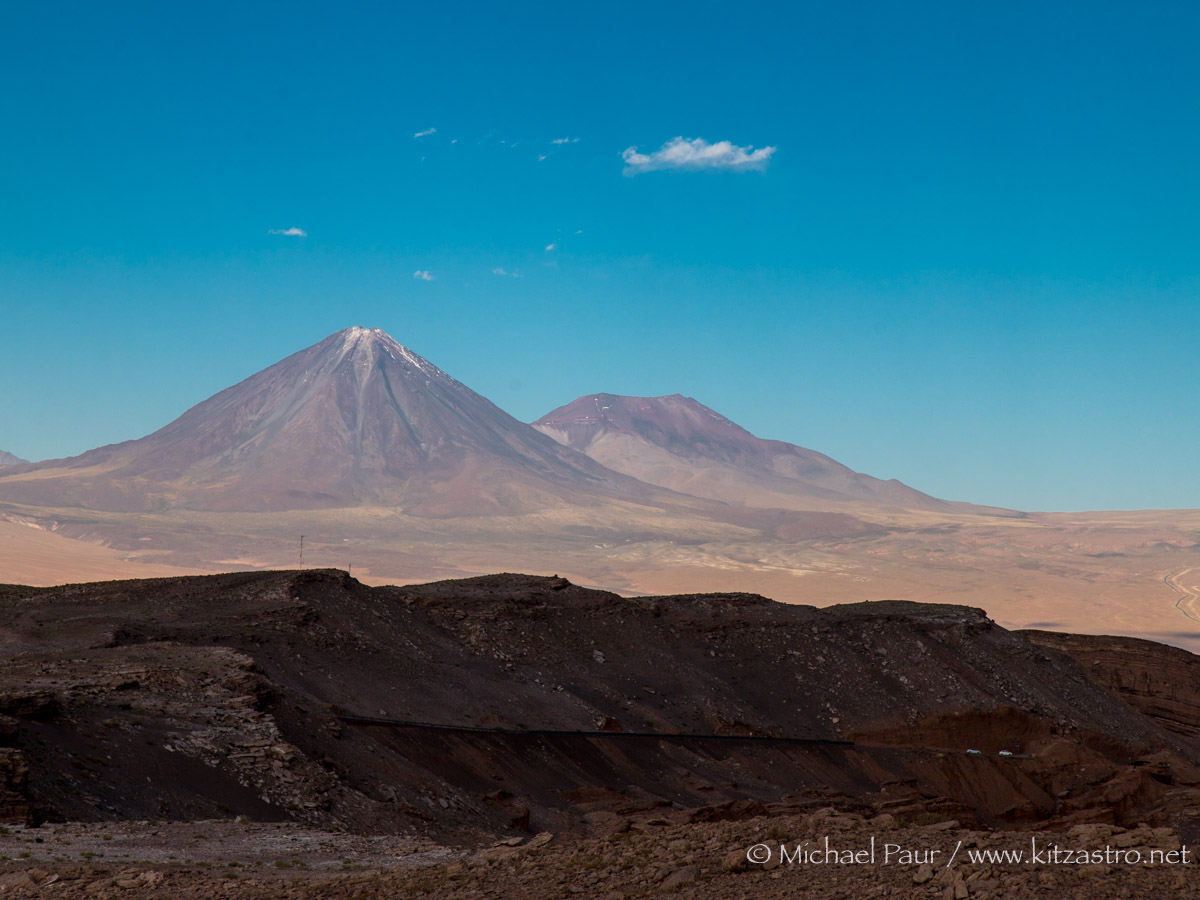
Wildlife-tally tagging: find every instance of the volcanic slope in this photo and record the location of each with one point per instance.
(357, 419)
(681, 444)
(9, 459)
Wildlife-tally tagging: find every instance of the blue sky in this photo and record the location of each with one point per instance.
(950, 243)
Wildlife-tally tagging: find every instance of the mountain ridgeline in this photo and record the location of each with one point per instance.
(355, 420)
(683, 445)
(359, 420)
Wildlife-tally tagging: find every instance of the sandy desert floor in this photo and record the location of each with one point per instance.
(1132, 573)
(30, 554)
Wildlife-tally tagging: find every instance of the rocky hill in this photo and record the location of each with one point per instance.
(515, 704)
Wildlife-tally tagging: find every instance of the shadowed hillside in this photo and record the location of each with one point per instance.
(511, 703)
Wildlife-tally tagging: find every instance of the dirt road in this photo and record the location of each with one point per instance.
(1189, 597)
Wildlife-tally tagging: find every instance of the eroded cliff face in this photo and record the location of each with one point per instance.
(511, 703)
(1159, 681)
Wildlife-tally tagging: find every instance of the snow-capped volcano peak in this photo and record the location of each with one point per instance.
(355, 419)
(367, 345)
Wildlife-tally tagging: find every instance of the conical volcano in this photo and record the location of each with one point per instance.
(357, 419)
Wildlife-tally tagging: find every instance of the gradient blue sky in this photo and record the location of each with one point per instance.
(971, 262)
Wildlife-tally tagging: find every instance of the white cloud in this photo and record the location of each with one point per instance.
(550, 247)
(565, 141)
(426, 133)
(513, 274)
(289, 232)
(541, 157)
(423, 275)
(697, 153)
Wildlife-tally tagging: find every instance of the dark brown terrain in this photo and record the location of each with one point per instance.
(651, 735)
(1158, 680)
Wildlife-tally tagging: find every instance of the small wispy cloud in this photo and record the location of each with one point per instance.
(423, 275)
(541, 157)
(426, 133)
(695, 154)
(289, 232)
(565, 141)
(550, 247)
(506, 273)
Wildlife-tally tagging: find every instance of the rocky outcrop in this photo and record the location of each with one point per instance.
(1160, 681)
(14, 782)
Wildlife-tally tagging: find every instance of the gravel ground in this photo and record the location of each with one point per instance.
(212, 843)
(706, 861)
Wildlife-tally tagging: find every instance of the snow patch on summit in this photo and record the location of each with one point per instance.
(364, 345)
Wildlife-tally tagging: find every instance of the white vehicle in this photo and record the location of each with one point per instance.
(1006, 753)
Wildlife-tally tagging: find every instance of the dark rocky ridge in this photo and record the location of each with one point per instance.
(227, 693)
